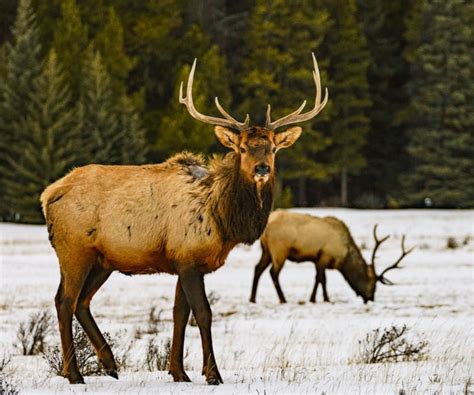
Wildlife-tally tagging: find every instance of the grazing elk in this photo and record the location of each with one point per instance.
(325, 241)
(179, 217)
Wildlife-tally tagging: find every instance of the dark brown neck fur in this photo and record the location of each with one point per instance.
(354, 270)
(235, 205)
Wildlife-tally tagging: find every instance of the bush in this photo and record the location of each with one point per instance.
(158, 356)
(451, 243)
(87, 361)
(31, 335)
(154, 324)
(7, 388)
(390, 345)
(4, 364)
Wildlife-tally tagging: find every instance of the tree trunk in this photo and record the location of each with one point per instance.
(344, 187)
(302, 202)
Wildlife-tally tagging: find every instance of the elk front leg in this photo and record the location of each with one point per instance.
(265, 260)
(192, 282)
(312, 299)
(181, 312)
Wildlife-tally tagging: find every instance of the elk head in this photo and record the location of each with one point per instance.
(255, 146)
(369, 291)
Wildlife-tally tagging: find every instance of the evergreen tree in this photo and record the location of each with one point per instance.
(110, 42)
(276, 69)
(383, 22)
(133, 144)
(441, 114)
(70, 42)
(349, 91)
(101, 135)
(49, 149)
(22, 67)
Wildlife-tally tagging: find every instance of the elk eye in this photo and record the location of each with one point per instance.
(242, 150)
(274, 150)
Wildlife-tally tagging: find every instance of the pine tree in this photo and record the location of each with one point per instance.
(101, 135)
(110, 42)
(383, 22)
(441, 113)
(349, 92)
(70, 42)
(133, 144)
(22, 67)
(49, 149)
(277, 68)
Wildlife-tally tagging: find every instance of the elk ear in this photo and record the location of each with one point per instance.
(227, 137)
(287, 138)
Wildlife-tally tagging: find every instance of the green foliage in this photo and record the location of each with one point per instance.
(442, 118)
(133, 145)
(49, 149)
(100, 134)
(110, 42)
(348, 87)
(383, 22)
(22, 67)
(70, 42)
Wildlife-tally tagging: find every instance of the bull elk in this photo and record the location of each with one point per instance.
(181, 217)
(327, 243)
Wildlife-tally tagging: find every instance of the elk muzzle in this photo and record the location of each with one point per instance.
(262, 173)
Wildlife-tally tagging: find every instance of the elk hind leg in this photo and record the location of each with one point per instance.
(264, 262)
(322, 279)
(72, 280)
(96, 278)
(275, 273)
(181, 312)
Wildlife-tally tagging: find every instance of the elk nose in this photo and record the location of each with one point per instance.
(262, 170)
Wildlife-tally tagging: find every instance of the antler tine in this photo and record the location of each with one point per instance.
(381, 277)
(296, 117)
(377, 243)
(244, 124)
(189, 103)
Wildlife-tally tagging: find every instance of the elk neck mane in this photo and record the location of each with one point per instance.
(233, 202)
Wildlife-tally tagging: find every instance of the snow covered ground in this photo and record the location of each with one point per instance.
(267, 347)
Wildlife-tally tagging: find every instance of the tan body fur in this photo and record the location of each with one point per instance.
(129, 217)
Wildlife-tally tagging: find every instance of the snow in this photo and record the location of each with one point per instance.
(299, 347)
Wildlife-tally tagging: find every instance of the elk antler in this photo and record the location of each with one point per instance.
(188, 102)
(296, 117)
(377, 244)
(381, 278)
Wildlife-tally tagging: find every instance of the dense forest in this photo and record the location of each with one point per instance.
(96, 81)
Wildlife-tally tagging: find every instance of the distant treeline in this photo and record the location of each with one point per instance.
(97, 82)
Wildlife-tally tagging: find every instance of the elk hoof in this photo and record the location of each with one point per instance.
(252, 300)
(180, 377)
(214, 381)
(75, 378)
(112, 373)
